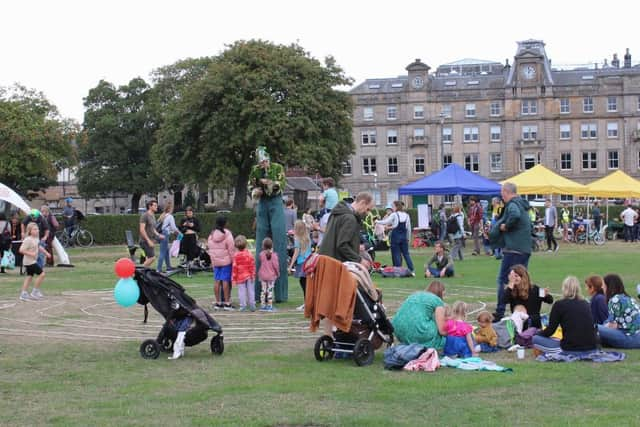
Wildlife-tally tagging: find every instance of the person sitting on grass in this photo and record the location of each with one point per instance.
(485, 336)
(459, 341)
(622, 328)
(520, 291)
(599, 309)
(440, 264)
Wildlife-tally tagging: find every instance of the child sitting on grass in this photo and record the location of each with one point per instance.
(243, 274)
(485, 336)
(29, 249)
(459, 341)
(519, 318)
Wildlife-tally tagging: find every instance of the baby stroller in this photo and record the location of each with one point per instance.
(370, 327)
(194, 260)
(172, 302)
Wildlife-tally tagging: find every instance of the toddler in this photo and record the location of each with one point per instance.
(30, 249)
(459, 341)
(301, 251)
(485, 336)
(243, 274)
(519, 318)
(268, 274)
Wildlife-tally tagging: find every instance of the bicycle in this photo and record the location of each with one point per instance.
(595, 236)
(78, 236)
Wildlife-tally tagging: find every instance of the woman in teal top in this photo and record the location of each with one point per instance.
(622, 328)
(420, 318)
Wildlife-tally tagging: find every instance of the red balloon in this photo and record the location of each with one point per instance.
(125, 268)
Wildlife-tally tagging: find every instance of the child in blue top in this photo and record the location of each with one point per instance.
(301, 251)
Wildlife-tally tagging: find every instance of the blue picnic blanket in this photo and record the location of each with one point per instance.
(473, 364)
(598, 356)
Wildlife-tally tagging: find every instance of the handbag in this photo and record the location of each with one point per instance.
(309, 264)
(174, 250)
(8, 260)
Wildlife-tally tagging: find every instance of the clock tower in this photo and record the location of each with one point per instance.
(531, 68)
(418, 75)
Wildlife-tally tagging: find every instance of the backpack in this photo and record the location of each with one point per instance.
(452, 224)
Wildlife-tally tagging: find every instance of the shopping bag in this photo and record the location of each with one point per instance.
(8, 260)
(174, 250)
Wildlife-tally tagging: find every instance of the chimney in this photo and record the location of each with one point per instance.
(615, 62)
(627, 59)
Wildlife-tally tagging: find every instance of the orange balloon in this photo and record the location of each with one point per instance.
(124, 268)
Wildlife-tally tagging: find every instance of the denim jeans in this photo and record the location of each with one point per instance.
(40, 260)
(628, 233)
(435, 272)
(509, 259)
(164, 253)
(399, 249)
(616, 338)
(546, 344)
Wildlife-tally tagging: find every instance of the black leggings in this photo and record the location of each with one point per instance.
(303, 285)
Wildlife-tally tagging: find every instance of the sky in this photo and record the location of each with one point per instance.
(63, 48)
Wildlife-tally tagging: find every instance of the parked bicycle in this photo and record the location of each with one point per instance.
(78, 236)
(595, 236)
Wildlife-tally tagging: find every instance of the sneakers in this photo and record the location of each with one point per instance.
(228, 307)
(549, 250)
(270, 309)
(217, 306)
(37, 294)
(263, 308)
(514, 347)
(24, 296)
(252, 308)
(242, 309)
(300, 308)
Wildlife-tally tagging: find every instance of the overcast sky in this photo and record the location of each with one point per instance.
(64, 47)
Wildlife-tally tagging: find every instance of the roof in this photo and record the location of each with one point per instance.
(468, 61)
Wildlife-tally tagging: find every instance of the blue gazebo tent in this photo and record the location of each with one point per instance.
(454, 179)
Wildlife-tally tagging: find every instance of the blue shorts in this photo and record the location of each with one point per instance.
(222, 273)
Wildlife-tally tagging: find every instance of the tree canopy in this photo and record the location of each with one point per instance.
(119, 127)
(35, 141)
(254, 93)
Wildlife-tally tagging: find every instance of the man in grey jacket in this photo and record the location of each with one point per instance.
(550, 224)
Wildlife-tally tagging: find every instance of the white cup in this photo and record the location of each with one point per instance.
(541, 292)
(520, 353)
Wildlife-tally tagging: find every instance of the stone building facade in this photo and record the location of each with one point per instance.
(496, 120)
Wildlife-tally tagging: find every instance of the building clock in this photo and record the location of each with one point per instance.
(418, 82)
(528, 72)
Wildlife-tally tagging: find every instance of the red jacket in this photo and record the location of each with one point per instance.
(244, 267)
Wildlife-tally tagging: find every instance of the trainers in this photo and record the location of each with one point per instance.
(217, 306)
(270, 309)
(300, 308)
(242, 309)
(37, 294)
(24, 296)
(514, 347)
(263, 308)
(549, 250)
(252, 308)
(228, 307)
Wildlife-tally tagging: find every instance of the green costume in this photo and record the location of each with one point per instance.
(270, 218)
(414, 322)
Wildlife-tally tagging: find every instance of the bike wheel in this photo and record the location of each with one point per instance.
(84, 238)
(63, 238)
(598, 239)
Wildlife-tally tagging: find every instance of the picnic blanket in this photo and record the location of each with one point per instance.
(473, 364)
(597, 356)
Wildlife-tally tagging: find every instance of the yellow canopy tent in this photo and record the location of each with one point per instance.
(540, 180)
(616, 184)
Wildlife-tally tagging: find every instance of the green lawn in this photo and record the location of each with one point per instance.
(54, 374)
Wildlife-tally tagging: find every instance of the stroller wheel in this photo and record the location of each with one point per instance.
(217, 345)
(363, 352)
(166, 344)
(150, 349)
(323, 350)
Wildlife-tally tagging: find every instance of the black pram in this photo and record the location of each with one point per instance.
(172, 302)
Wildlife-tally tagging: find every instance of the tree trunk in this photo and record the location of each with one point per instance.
(135, 202)
(240, 196)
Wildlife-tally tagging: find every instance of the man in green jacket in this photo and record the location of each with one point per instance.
(342, 238)
(515, 229)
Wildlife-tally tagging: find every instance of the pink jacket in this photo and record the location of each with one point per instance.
(269, 269)
(221, 247)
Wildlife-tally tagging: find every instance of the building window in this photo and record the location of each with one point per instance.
(565, 161)
(369, 165)
(529, 107)
(471, 134)
(496, 133)
(527, 161)
(496, 108)
(612, 104)
(564, 106)
(589, 160)
(419, 165)
(470, 110)
(392, 165)
(589, 131)
(346, 168)
(368, 137)
(565, 131)
(392, 113)
(447, 159)
(612, 130)
(471, 162)
(447, 135)
(392, 137)
(495, 160)
(367, 113)
(418, 134)
(447, 111)
(530, 133)
(418, 112)
(612, 160)
(587, 104)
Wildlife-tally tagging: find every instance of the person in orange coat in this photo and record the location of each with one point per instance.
(243, 274)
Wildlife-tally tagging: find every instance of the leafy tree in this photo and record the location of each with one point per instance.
(35, 141)
(257, 93)
(119, 127)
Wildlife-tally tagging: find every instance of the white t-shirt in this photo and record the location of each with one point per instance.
(628, 216)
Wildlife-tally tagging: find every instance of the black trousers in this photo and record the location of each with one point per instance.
(548, 232)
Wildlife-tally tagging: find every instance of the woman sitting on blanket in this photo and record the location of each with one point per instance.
(520, 291)
(573, 314)
(420, 319)
(622, 328)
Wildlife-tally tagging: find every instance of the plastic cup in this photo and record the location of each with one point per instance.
(541, 292)
(520, 353)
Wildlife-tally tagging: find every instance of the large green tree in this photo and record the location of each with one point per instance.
(257, 93)
(119, 127)
(35, 141)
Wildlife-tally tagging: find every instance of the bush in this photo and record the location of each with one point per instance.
(109, 229)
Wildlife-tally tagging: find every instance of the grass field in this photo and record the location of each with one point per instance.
(72, 360)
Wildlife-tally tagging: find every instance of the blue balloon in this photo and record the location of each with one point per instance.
(126, 292)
